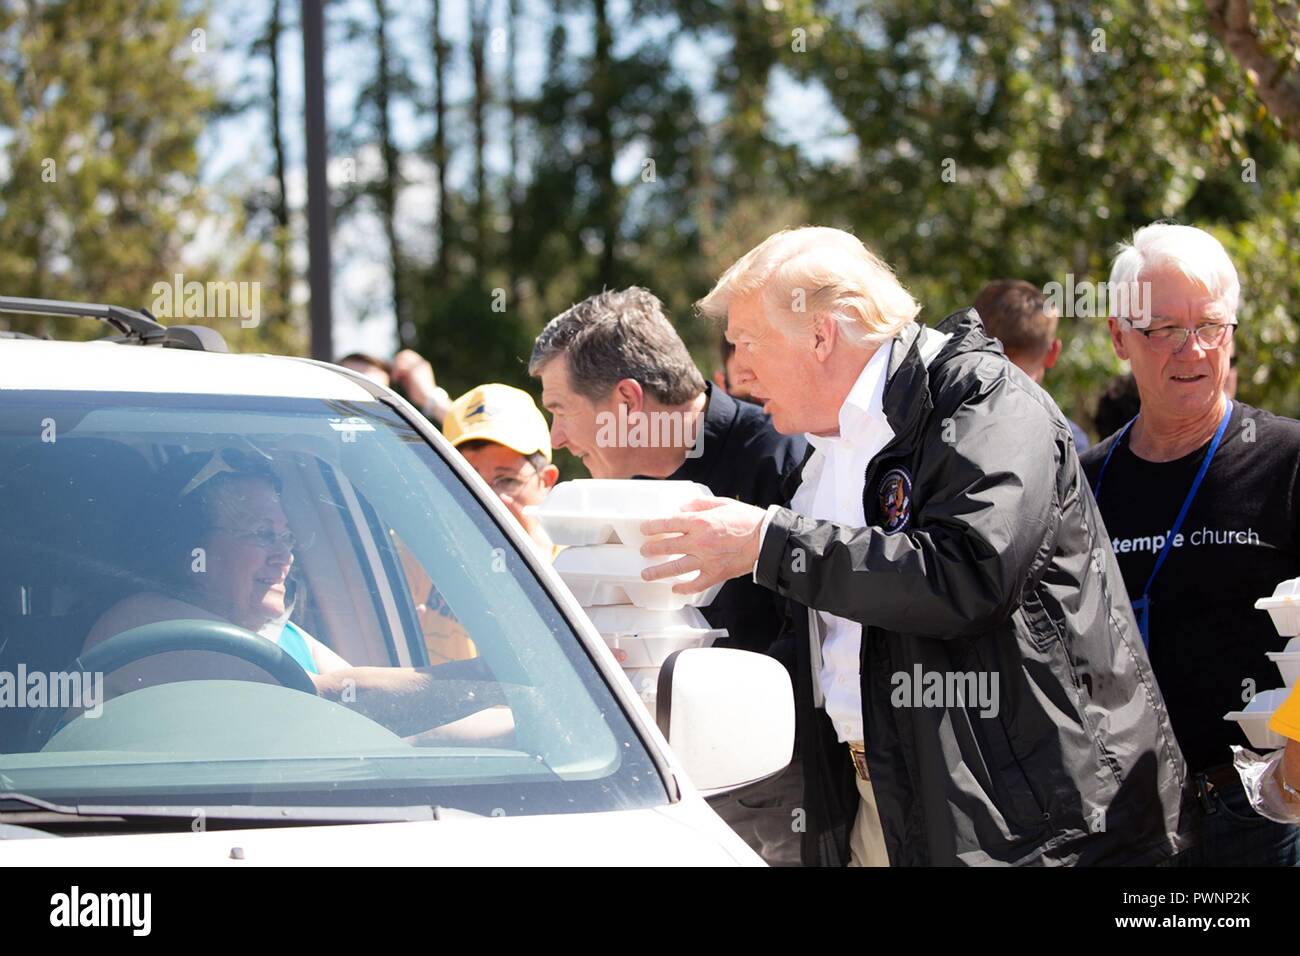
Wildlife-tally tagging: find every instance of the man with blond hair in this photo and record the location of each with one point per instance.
(969, 670)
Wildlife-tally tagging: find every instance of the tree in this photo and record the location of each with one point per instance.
(479, 104)
(1269, 53)
(1000, 139)
(438, 151)
(381, 96)
(389, 84)
(271, 205)
(101, 106)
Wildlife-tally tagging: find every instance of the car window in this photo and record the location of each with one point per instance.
(365, 559)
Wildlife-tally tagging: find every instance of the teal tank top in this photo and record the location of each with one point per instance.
(293, 641)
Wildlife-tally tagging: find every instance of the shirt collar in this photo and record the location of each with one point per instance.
(863, 410)
(719, 413)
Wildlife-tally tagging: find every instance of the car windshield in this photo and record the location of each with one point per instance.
(235, 601)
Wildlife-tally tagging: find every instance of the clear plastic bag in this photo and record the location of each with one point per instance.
(1260, 777)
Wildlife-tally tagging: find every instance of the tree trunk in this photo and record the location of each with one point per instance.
(1277, 83)
(283, 267)
(440, 262)
(478, 41)
(602, 120)
(387, 190)
(512, 177)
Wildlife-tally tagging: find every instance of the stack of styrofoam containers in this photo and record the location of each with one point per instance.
(599, 521)
(1284, 608)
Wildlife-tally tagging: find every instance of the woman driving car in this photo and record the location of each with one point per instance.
(231, 560)
(228, 558)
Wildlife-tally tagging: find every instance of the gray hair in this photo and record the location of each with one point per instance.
(616, 335)
(1188, 250)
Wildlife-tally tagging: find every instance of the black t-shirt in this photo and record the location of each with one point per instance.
(740, 455)
(1239, 539)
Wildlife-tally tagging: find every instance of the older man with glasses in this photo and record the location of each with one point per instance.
(1198, 493)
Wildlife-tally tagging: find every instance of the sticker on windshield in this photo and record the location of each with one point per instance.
(351, 425)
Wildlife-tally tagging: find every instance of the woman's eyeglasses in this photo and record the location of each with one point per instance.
(268, 540)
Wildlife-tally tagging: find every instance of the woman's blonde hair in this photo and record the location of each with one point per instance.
(815, 270)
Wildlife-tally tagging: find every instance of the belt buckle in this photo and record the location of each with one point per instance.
(859, 757)
(1205, 790)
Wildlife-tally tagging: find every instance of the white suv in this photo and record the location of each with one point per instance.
(256, 608)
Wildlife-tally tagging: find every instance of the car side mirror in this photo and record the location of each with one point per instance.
(728, 715)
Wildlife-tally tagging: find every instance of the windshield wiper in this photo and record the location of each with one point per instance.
(222, 813)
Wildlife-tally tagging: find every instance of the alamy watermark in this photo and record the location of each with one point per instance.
(75, 908)
(946, 689)
(641, 429)
(1098, 300)
(208, 300)
(64, 690)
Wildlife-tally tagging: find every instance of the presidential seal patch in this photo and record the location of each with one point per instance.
(895, 499)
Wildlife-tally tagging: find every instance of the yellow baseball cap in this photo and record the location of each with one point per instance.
(498, 413)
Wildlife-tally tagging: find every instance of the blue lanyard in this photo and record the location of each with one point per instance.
(1142, 606)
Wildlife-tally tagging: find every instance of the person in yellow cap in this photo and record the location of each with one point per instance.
(502, 434)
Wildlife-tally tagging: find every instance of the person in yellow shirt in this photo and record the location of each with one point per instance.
(1286, 721)
(503, 435)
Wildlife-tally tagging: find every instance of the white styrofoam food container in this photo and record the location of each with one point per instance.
(646, 637)
(1253, 721)
(611, 574)
(603, 510)
(651, 650)
(1283, 607)
(1288, 665)
(618, 619)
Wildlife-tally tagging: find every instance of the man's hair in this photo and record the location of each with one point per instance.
(361, 358)
(1118, 405)
(1018, 313)
(534, 458)
(616, 335)
(817, 271)
(1185, 249)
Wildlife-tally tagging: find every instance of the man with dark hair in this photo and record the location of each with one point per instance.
(371, 366)
(611, 367)
(1020, 315)
(723, 377)
(627, 399)
(409, 374)
(1118, 405)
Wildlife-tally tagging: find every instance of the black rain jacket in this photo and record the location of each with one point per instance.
(984, 553)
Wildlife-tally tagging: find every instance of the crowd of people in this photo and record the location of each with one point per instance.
(895, 501)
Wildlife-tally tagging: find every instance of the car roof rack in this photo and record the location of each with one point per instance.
(139, 327)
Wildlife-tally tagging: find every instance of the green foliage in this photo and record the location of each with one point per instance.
(101, 106)
(986, 139)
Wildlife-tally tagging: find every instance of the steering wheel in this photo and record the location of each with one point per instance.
(163, 637)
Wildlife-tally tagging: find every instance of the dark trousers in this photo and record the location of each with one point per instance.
(1230, 833)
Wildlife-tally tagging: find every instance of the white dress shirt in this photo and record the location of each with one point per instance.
(831, 489)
